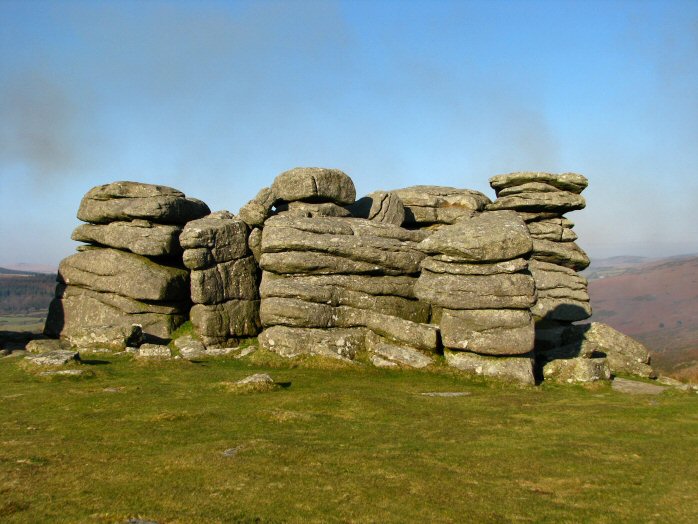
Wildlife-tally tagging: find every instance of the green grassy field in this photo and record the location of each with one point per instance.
(31, 322)
(336, 445)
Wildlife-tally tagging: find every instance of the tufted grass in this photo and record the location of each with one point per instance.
(165, 442)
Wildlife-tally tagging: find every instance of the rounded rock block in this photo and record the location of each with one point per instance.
(314, 184)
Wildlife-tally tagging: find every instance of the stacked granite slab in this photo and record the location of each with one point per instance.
(130, 273)
(477, 282)
(224, 279)
(334, 286)
(431, 207)
(299, 192)
(542, 199)
(380, 206)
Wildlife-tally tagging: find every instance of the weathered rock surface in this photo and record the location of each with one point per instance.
(512, 369)
(379, 285)
(189, 347)
(46, 345)
(298, 313)
(217, 238)
(125, 274)
(133, 200)
(220, 322)
(566, 181)
(551, 229)
(488, 331)
(311, 209)
(455, 266)
(426, 205)
(567, 254)
(315, 289)
(562, 293)
(292, 342)
(558, 202)
(487, 237)
(138, 236)
(337, 245)
(578, 369)
(87, 318)
(236, 279)
(624, 354)
(635, 387)
(254, 243)
(154, 351)
(381, 206)
(314, 184)
(507, 291)
(259, 209)
(59, 357)
(401, 355)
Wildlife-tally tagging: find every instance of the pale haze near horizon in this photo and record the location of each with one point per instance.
(217, 98)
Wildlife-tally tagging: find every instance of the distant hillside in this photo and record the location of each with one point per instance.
(24, 292)
(655, 301)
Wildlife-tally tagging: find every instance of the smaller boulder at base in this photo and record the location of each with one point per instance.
(510, 369)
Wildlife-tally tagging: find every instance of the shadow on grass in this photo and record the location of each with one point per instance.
(94, 362)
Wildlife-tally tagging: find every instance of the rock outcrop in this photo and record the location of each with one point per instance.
(427, 206)
(130, 273)
(476, 278)
(394, 279)
(224, 279)
(541, 199)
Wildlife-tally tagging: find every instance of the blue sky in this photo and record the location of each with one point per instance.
(217, 98)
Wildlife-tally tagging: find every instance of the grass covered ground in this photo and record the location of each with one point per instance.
(169, 442)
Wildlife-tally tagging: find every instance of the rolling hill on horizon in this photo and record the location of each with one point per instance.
(652, 300)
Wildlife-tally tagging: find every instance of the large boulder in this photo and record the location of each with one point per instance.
(567, 254)
(566, 181)
(558, 202)
(385, 353)
(292, 342)
(575, 370)
(324, 291)
(509, 369)
(300, 209)
(379, 285)
(121, 201)
(562, 293)
(488, 331)
(624, 354)
(314, 184)
(257, 210)
(455, 266)
(425, 205)
(337, 245)
(125, 274)
(217, 238)
(236, 279)
(87, 318)
(554, 229)
(138, 236)
(381, 206)
(487, 237)
(507, 291)
(299, 313)
(218, 323)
